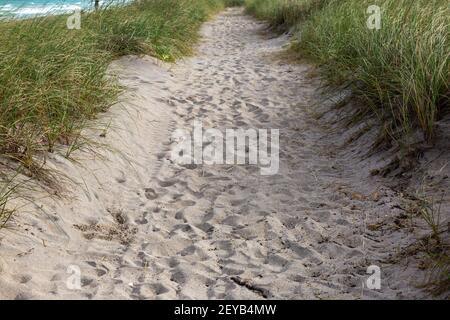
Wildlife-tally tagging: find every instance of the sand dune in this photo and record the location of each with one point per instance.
(137, 225)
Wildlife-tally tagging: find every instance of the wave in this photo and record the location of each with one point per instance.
(41, 10)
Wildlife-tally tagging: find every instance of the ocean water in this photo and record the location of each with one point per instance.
(29, 8)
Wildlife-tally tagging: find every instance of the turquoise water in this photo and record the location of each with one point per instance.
(27, 8)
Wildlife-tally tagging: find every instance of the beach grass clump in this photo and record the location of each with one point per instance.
(401, 71)
(7, 190)
(165, 29)
(53, 79)
(4, 197)
(233, 3)
(283, 14)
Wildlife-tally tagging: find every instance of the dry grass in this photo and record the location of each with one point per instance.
(53, 80)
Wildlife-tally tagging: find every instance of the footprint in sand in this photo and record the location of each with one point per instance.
(150, 194)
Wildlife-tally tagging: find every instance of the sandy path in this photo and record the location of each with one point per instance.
(149, 228)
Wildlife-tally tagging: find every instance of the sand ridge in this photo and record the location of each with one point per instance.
(148, 228)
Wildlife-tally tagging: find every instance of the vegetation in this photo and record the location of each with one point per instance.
(233, 3)
(401, 71)
(283, 14)
(5, 194)
(53, 79)
(435, 246)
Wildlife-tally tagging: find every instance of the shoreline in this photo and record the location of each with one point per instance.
(36, 10)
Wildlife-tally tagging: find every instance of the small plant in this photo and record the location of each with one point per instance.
(435, 246)
(431, 215)
(6, 191)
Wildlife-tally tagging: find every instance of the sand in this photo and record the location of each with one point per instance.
(137, 225)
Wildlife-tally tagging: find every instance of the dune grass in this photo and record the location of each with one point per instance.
(283, 14)
(5, 194)
(401, 72)
(233, 3)
(54, 79)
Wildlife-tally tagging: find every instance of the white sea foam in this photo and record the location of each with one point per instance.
(24, 9)
(44, 10)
